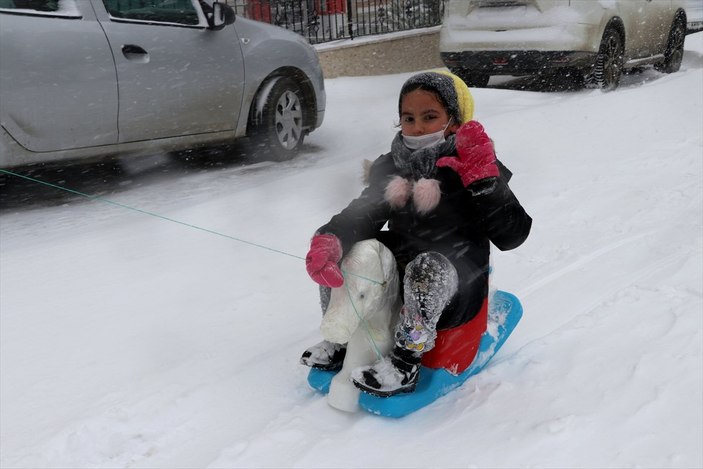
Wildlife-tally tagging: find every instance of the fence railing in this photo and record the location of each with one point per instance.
(329, 20)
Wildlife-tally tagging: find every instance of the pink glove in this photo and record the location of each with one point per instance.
(476, 159)
(321, 261)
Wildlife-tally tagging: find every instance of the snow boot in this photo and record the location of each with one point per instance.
(393, 374)
(325, 356)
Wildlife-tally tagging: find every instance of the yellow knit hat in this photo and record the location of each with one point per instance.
(464, 98)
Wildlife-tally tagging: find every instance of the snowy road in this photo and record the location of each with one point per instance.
(132, 339)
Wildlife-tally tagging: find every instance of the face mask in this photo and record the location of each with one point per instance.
(425, 141)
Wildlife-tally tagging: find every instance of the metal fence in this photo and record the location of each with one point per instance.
(329, 20)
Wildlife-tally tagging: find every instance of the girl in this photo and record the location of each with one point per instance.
(445, 197)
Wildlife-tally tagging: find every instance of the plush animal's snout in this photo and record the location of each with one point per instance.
(337, 328)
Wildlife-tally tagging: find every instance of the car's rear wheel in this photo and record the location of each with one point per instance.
(608, 67)
(277, 128)
(471, 78)
(673, 55)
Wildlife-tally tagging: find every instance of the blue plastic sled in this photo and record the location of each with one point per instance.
(504, 313)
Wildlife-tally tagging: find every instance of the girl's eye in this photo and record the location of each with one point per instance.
(430, 117)
(407, 119)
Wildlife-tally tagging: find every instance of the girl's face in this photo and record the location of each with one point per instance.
(422, 113)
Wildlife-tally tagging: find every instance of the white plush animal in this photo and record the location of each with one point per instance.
(362, 313)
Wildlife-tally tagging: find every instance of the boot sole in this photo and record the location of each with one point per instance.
(379, 393)
(334, 365)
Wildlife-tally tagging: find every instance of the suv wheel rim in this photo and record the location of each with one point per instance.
(676, 46)
(288, 120)
(611, 66)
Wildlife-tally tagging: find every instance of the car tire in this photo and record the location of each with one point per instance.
(472, 79)
(673, 55)
(609, 62)
(277, 130)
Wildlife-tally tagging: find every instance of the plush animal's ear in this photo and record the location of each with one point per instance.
(387, 260)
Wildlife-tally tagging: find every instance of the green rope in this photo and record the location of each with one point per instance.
(151, 214)
(162, 217)
(206, 230)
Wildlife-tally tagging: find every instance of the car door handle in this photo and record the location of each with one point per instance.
(132, 52)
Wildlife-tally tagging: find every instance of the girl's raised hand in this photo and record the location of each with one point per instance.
(476, 159)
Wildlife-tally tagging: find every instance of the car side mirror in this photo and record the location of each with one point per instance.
(220, 16)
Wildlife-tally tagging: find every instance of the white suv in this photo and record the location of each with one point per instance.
(694, 14)
(595, 38)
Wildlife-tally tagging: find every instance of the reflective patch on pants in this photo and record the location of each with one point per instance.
(414, 333)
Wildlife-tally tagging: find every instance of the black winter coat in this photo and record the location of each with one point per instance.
(460, 228)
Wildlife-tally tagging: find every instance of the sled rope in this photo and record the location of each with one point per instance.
(151, 214)
(162, 217)
(206, 230)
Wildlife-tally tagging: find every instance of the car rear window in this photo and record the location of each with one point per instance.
(159, 11)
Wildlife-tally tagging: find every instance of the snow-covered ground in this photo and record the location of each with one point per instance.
(129, 340)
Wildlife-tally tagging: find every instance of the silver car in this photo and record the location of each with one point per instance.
(595, 39)
(95, 78)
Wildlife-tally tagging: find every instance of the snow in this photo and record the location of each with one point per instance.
(128, 340)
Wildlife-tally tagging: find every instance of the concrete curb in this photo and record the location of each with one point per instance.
(381, 55)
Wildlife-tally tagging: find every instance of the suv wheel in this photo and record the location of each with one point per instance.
(674, 48)
(277, 130)
(608, 67)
